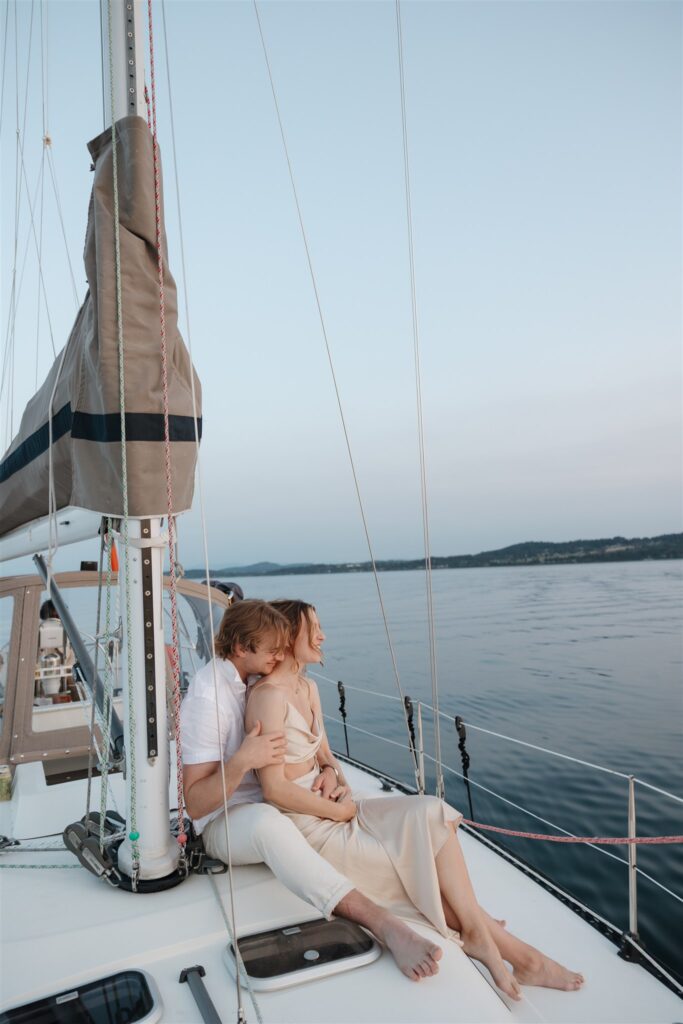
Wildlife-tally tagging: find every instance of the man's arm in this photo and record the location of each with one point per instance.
(202, 783)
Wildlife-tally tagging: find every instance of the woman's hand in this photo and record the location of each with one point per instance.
(340, 793)
(344, 810)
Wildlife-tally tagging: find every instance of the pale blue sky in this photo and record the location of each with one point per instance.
(545, 143)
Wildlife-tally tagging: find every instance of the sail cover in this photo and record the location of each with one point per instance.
(85, 412)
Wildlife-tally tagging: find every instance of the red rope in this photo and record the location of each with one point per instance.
(175, 658)
(596, 840)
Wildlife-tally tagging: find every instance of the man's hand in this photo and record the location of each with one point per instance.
(259, 751)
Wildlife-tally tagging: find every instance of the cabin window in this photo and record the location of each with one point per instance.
(6, 616)
(302, 952)
(59, 702)
(127, 996)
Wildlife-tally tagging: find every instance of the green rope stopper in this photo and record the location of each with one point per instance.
(134, 836)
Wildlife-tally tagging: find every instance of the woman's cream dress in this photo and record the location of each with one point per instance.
(388, 850)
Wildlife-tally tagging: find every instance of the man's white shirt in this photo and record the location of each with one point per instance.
(205, 736)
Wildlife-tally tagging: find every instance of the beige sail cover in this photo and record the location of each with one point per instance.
(86, 422)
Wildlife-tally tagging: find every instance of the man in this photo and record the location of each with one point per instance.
(219, 762)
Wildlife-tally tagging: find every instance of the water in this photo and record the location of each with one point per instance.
(584, 660)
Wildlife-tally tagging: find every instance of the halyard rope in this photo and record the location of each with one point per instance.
(175, 656)
(440, 789)
(340, 407)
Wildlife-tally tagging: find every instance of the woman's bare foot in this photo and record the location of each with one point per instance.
(416, 957)
(541, 970)
(479, 944)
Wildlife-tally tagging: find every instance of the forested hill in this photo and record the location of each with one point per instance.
(610, 549)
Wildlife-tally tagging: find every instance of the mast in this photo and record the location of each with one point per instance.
(127, 58)
(149, 850)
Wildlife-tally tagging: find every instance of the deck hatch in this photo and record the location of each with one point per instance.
(129, 996)
(302, 952)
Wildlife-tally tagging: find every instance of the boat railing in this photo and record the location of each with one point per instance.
(415, 746)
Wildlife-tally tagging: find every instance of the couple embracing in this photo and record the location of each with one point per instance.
(256, 734)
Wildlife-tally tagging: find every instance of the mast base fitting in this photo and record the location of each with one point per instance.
(145, 885)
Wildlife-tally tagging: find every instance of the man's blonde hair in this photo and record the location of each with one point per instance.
(247, 624)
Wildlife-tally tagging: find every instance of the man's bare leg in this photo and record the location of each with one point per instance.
(416, 957)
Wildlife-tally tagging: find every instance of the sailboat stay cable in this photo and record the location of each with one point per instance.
(230, 920)
(91, 751)
(15, 296)
(420, 421)
(37, 248)
(175, 659)
(58, 201)
(42, 183)
(108, 695)
(334, 379)
(4, 65)
(133, 834)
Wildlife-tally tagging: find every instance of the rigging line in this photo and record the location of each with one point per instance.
(420, 419)
(98, 623)
(175, 666)
(5, 375)
(42, 181)
(204, 532)
(108, 695)
(135, 850)
(40, 259)
(53, 176)
(35, 240)
(335, 384)
(17, 196)
(4, 65)
(525, 810)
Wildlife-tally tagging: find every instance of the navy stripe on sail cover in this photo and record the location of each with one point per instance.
(103, 428)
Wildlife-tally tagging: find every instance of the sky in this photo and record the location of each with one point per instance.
(545, 144)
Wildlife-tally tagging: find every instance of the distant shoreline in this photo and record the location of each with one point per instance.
(575, 552)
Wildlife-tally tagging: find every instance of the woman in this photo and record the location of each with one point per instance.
(403, 852)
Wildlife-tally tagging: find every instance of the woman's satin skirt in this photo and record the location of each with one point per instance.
(388, 851)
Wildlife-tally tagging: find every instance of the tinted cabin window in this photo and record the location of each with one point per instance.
(122, 997)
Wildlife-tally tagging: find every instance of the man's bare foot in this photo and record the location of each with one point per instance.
(541, 970)
(416, 957)
(479, 945)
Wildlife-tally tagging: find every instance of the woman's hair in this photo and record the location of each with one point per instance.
(292, 611)
(247, 624)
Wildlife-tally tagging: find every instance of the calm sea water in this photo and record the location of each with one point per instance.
(584, 660)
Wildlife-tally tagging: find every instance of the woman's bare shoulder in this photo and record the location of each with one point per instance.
(266, 693)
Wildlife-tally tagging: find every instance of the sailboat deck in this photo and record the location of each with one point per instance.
(82, 920)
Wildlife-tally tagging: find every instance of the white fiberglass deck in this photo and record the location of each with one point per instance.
(61, 928)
